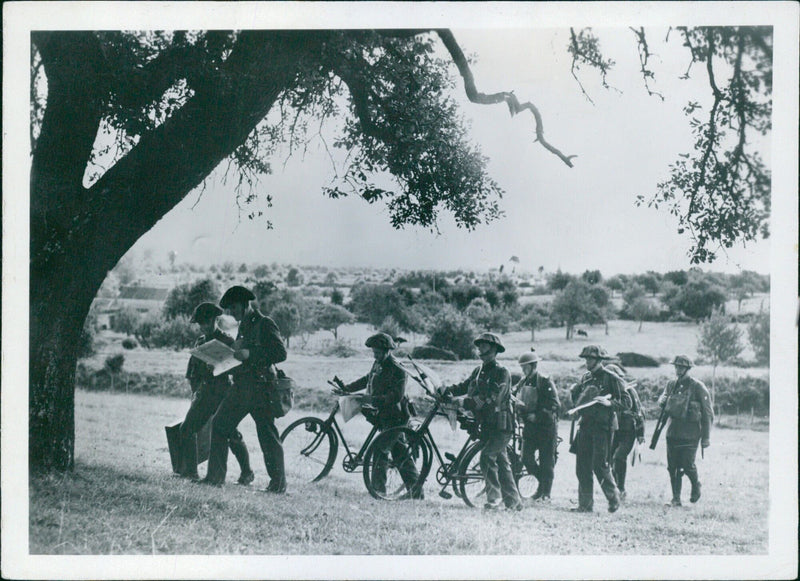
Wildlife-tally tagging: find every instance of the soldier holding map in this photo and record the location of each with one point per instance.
(207, 393)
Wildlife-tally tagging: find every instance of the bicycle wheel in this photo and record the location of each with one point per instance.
(470, 477)
(527, 484)
(309, 449)
(396, 464)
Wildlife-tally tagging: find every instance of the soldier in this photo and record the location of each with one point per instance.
(596, 427)
(488, 391)
(688, 405)
(385, 386)
(259, 347)
(631, 429)
(538, 405)
(207, 393)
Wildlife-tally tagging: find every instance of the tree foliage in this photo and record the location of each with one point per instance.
(758, 335)
(575, 304)
(330, 317)
(183, 299)
(719, 340)
(453, 331)
(698, 298)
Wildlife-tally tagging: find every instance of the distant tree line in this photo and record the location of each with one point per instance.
(450, 308)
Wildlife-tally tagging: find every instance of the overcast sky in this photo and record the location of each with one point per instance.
(573, 218)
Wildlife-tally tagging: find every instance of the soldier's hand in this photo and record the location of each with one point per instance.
(662, 399)
(241, 354)
(530, 418)
(705, 444)
(603, 401)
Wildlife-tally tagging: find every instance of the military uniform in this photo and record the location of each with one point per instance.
(595, 431)
(690, 423)
(489, 388)
(540, 433)
(385, 384)
(207, 394)
(631, 428)
(260, 336)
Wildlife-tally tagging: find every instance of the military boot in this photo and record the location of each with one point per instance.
(676, 481)
(695, 496)
(239, 450)
(188, 463)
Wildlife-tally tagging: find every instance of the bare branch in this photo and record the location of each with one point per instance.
(511, 101)
(644, 56)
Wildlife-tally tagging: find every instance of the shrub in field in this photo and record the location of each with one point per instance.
(431, 352)
(161, 384)
(338, 348)
(129, 343)
(454, 332)
(176, 333)
(629, 359)
(114, 363)
(125, 321)
(758, 334)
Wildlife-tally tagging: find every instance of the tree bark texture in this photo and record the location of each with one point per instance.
(78, 234)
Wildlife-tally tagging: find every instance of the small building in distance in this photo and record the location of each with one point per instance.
(142, 299)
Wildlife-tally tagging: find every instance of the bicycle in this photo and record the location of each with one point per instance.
(460, 471)
(471, 481)
(311, 445)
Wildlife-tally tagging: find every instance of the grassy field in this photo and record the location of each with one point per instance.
(560, 356)
(122, 499)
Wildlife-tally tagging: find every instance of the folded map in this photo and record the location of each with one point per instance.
(217, 354)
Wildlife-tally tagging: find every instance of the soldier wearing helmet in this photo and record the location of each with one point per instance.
(488, 391)
(688, 405)
(538, 406)
(208, 392)
(604, 390)
(259, 347)
(385, 387)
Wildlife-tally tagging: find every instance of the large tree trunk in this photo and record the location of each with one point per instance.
(78, 234)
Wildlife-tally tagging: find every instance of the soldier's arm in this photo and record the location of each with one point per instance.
(616, 389)
(461, 388)
(662, 399)
(396, 391)
(357, 385)
(706, 414)
(268, 345)
(550, 399)
(223, 337)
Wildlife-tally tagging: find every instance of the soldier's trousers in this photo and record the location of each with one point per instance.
(620, 448)
(239, 401)
(205, 402)
(681, 454)
(496, 469)
(401, 457)
(543, 441)
(592, 446)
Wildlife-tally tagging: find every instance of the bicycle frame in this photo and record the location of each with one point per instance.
(351, 461)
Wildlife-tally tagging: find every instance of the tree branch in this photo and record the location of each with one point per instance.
(508, 98)
(171, 160)
(644, 56)
(76, 79)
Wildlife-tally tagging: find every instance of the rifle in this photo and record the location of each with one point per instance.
(662, 420)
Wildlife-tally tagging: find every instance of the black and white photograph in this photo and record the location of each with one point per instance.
(382, 290)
